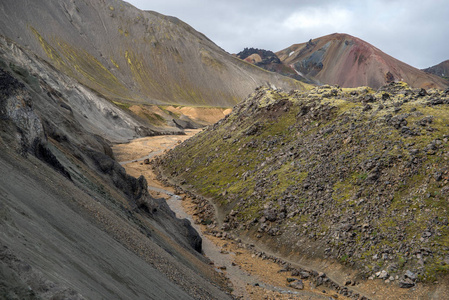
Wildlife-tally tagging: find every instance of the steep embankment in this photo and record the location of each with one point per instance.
(132, 56)
(351, 62)
(348, 175)
(73, 223)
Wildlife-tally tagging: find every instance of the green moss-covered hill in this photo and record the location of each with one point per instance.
(353, 175)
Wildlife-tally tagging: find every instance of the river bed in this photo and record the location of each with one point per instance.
(251, 277)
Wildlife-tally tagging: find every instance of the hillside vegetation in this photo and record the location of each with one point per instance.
(352, 175)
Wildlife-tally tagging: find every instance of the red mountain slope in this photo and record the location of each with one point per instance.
(349, 62)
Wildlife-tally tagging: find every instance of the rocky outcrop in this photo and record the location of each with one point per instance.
(350, 175)
(134, 188)
(17, 107)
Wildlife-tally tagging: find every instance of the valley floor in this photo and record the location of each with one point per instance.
(250, 276)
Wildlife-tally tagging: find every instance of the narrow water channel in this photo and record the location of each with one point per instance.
(221, 259)
(131, 156)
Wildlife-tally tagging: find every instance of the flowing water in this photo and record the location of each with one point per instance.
(223, 260)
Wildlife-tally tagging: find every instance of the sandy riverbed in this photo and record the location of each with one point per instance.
(251, 276)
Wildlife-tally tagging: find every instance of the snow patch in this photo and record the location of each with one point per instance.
(297, 72)
(291, 53)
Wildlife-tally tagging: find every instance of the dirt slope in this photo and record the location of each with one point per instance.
(350, 62)
(128, 55)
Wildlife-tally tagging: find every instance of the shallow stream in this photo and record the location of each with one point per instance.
(223, 260)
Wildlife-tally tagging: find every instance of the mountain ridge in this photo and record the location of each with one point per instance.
(130, 55)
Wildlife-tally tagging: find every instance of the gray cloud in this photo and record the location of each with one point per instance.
(416, 32)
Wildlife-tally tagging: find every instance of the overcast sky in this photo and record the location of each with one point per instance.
(413, 31)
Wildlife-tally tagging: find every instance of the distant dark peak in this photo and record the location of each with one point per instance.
(442, 69)
(265, 55)
(269, 61)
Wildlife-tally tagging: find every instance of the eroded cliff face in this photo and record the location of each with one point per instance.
(69, 211)
(349, 175)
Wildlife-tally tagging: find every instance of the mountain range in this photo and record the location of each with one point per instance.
(349, 62)
(77, 77)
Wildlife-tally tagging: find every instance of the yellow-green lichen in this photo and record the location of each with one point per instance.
(82, 65)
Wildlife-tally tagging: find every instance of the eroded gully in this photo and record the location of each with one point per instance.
(131, 156)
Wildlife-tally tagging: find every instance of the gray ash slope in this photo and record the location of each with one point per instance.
(73, 224)
(132, 56)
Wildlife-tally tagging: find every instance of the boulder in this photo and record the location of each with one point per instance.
(409, 274)
(422, 93)
(406, 283)
(297, 284)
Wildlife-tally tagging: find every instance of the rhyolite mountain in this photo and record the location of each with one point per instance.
(346, 175)
(350, 62)
(442, 69)
(132, 56)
